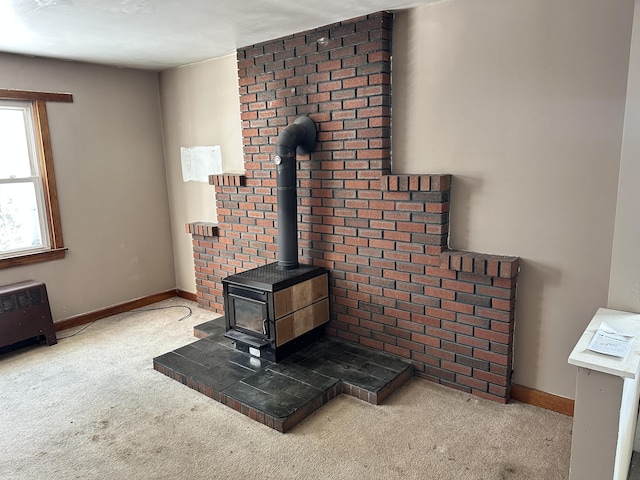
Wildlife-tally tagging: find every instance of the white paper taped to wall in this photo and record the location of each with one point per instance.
(200, 162)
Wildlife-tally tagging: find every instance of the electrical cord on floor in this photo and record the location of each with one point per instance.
(79, 331)
(135, 311)
(165, 308)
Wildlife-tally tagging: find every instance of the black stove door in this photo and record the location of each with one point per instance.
(248, 313)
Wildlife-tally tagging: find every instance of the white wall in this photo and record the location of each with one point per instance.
(624, 287)
(200, 106)
(108, 159)
(523, 103)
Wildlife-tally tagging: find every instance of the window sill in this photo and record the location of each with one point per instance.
(30, 258)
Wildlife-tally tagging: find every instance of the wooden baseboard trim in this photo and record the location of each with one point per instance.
(85, 318)
(542, 399)
(187, 295)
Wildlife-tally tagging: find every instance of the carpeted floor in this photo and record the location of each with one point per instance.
(92, 407)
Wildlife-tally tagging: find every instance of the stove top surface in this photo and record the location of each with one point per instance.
(271, 279)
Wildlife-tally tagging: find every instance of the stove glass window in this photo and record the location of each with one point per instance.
(250, 314)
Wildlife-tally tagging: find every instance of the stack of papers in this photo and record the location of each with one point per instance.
(609, 341)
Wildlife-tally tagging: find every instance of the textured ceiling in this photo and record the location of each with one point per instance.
(159, 34)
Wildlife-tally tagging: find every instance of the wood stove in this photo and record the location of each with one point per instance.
(273, 310)
(271, 313)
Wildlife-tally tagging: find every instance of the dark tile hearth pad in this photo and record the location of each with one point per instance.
(281, 394)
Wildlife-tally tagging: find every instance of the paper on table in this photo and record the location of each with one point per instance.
(609, 341)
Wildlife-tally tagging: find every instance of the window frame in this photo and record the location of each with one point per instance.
(44, 152)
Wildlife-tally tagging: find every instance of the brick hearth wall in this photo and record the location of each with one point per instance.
(395, 286)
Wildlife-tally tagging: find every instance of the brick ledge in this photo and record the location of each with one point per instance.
(480, 263)
(415, 183)
(206, 229)
(233, 180)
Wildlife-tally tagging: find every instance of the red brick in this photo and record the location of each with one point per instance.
(492, 357)
(467, 359)
(414, 268)
(472, 382)
(500, 304)
(454, 367)
(457, 307)
(475, 321)
(411, 227)
(489, 396)
(411, 326)
(395, 275)
(492, 335)
(426, 320)
(329, 65)
(494, 292)
(440, 333)
(397, 313)
(439, 353)
(499, 391)
(431, 260)
(403, 352)
(509, 268)
(384, 244)
(413, 346)
(439, 313)
(493, 267)
(440, 272)
(467, 262)
(461, 351)
(368, 342)
(452, 260)
(501, 348)
(426, 340)
(474, 278)
(397, 236)
(398, 295)
(502, 327)
(398, 332)
(439, 293)
(491, 377)
(436, 207)
(502, 316)
(473, 342)
(458, 286)
(457, 327)
(508, 283)
(423, 300)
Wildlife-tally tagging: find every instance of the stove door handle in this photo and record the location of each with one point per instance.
(265, 327)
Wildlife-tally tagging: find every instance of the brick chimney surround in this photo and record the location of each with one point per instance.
(394, 283)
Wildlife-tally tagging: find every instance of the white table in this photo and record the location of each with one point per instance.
(606, 403)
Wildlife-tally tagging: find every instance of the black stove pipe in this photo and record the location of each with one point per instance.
(298, 136)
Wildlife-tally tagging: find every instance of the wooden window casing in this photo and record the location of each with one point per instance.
(56, 248)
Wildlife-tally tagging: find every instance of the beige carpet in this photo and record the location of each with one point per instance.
(92, 407)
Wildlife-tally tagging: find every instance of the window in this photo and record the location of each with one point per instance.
(30, 228)
(23, 222)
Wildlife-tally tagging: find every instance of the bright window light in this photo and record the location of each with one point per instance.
(23, 220)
